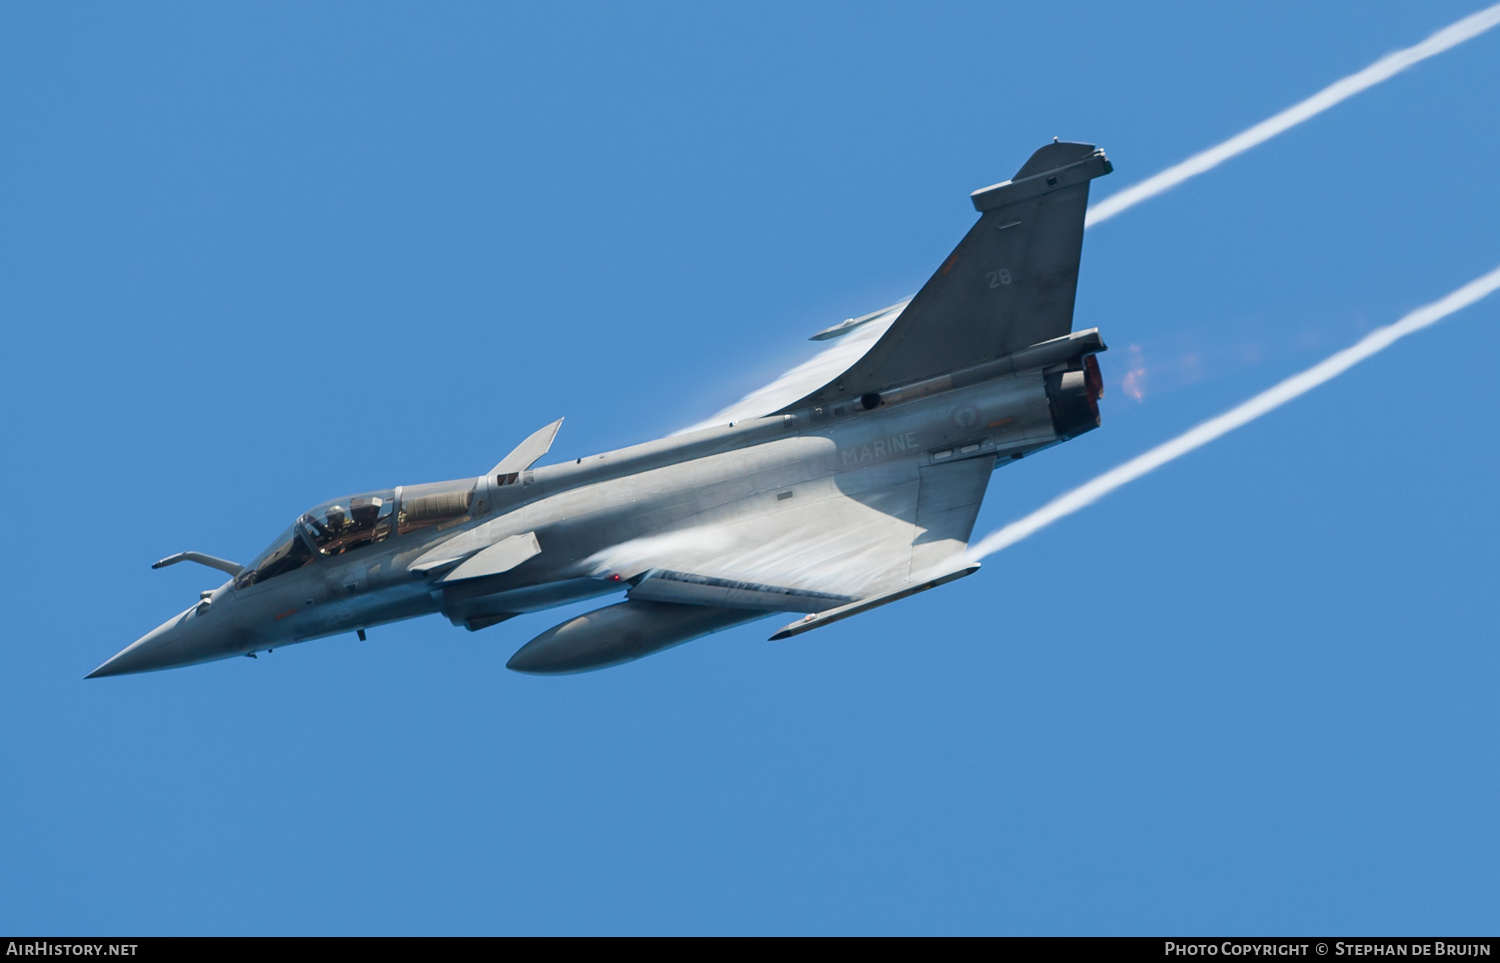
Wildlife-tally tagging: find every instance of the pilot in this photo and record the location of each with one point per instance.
(337, 520)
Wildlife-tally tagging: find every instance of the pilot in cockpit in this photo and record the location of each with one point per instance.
(337, 520)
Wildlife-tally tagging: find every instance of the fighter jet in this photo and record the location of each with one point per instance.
(860, 492)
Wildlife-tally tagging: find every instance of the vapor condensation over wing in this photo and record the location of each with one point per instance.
(1335, 93)
(825, 365)
(1269, 400)
(807, 377)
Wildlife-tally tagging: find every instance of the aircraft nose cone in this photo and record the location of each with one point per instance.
(162, 647)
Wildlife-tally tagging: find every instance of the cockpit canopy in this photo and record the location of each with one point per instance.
(331, 528)
(346, 524)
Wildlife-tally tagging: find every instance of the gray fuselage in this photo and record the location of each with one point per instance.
(603, 521)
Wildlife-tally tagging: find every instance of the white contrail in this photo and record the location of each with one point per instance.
(1337, 92)
(1269, 400)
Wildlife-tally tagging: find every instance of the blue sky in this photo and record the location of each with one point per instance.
(255, 257)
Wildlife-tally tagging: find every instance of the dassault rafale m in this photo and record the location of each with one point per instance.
(861, 491)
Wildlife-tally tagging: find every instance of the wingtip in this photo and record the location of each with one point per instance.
(796, 628)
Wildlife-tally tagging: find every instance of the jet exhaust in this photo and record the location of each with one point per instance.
(1335, 93)
(1263, 403)
(1073, 397)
